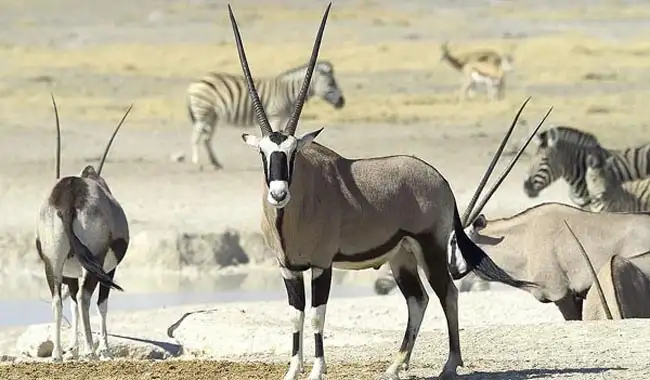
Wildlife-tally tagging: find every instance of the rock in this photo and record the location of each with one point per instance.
(37, 342)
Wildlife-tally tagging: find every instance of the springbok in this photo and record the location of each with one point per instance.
(480, 67)
(82, 233)
(323, 211)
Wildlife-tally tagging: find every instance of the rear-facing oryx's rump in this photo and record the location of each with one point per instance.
(561, 153)
(535, 245)
(220, 98)
(322, 210)
(609, 193)
(484, 67)
(621, 287)
(82, 233)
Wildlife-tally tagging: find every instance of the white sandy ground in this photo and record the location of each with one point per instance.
(504, 335)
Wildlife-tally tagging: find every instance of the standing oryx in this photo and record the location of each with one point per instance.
(220, 98)
(323, 211)
(480, 67)
(561, 153)
(82, 232)
(534, 245)
(608, 193)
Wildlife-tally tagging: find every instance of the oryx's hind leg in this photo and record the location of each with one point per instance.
(88, 286)
(405, 270)
(53, 275)
(435, 267)
(73, 290)
(102, 307)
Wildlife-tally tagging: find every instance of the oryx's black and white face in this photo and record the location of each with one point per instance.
(278, 151)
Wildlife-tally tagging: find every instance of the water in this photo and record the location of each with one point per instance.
(24, 298)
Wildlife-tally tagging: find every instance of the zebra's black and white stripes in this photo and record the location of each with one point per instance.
(220, 98)
(609, 193)
(562, 153)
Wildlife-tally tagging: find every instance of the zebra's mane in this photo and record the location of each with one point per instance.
(576, 137)
(303, 67)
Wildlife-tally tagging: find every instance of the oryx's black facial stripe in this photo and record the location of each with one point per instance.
(278, 167)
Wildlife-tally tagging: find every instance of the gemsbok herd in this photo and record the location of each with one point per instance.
(323, 211)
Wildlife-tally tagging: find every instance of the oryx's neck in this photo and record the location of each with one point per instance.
(286, 228)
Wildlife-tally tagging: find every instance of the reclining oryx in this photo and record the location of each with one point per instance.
(82, 233)
(324, 210)
(535, 246)
(621, 286)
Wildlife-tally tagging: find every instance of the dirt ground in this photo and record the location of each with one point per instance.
(587, 59)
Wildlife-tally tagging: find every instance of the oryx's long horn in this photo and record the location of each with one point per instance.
(262, 120)
(57, 164)
(505, 173)
(110, 142)
(599, 289)
(465, 219)
(292, 124)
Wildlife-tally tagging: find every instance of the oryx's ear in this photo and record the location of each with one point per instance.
(308, 138)
(88, 172)
(480, 222)
(540, 139)
(251, 140)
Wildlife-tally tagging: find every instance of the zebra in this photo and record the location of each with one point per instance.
(608, 193)
(561, 153)
(223, 98)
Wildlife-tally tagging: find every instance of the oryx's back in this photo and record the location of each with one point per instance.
(396, 193)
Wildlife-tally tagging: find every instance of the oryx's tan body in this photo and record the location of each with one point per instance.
(535, 246)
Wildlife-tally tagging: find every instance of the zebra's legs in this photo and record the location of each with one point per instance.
(207, 143)
(197, 133)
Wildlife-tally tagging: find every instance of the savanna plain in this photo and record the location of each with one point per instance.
(587, 59)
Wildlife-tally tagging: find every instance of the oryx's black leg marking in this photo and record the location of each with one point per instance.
(404, 269)
(435, 254)
(320, 292)
(295, 286)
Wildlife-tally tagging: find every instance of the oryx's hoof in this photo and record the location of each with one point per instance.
(57, 358)
(105, 354)
(383, 286)
(71, 354)
(88, 357)
(318, 376)
(449, 374)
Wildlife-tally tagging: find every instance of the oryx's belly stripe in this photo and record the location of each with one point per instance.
(373, 254)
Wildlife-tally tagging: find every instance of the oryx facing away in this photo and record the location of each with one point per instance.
(535, 246)
(82, 233)
(221, 98)
(322, 210)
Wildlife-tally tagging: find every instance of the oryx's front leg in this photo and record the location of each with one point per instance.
(102, 306)
(295, 285)
(321, 281)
